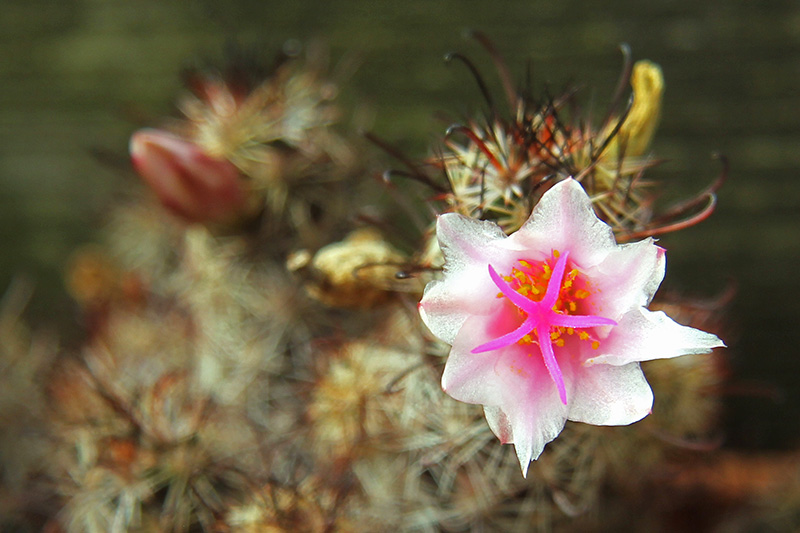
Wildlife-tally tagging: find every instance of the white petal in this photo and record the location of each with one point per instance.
(466, 289)
(475, 378)
(528, 421)
(627, 278)
(536, 418)
(535, 423)
(608, 395)
(499, 424)
(466, 243)
(643, 335)
(564, 219)
(441, 311)
(520, 400)
(472, 378)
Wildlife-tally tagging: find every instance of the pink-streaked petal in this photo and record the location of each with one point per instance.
(473, 378)
(507, 339)
(447, 303)
(564, 219)
(610, 395)
(643, 335)
(466, 290)
(531, 405)
(554, 285)
(580, 321)
(546, 346)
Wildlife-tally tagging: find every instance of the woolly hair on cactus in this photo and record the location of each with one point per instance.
(149, 421)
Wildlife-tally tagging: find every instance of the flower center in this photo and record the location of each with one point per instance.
(547, 297)
(531, 280)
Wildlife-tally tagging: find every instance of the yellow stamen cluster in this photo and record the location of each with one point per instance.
(531, 279)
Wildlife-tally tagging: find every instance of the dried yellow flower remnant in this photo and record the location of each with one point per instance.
(358, 271)
(637, 131)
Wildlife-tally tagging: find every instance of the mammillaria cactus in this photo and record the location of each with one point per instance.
(255, 360)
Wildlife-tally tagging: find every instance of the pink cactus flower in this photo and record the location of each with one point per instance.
(549, 324)
(188, 182)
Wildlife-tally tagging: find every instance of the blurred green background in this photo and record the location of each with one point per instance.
(77, 76)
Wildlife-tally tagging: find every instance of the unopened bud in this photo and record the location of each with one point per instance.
(190, 183)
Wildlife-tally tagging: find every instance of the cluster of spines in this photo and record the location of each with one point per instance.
(496, 167)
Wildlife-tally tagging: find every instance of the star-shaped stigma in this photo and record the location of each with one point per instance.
(542, 318)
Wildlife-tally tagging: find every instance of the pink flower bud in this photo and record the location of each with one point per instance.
(189, 183)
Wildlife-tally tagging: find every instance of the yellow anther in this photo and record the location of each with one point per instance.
(554, 335)
(524, 263)
(570, 331)
(559, 343)
(595, 345)
(581, 294)
(583, 335)
(573, 307)
(556, 254)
